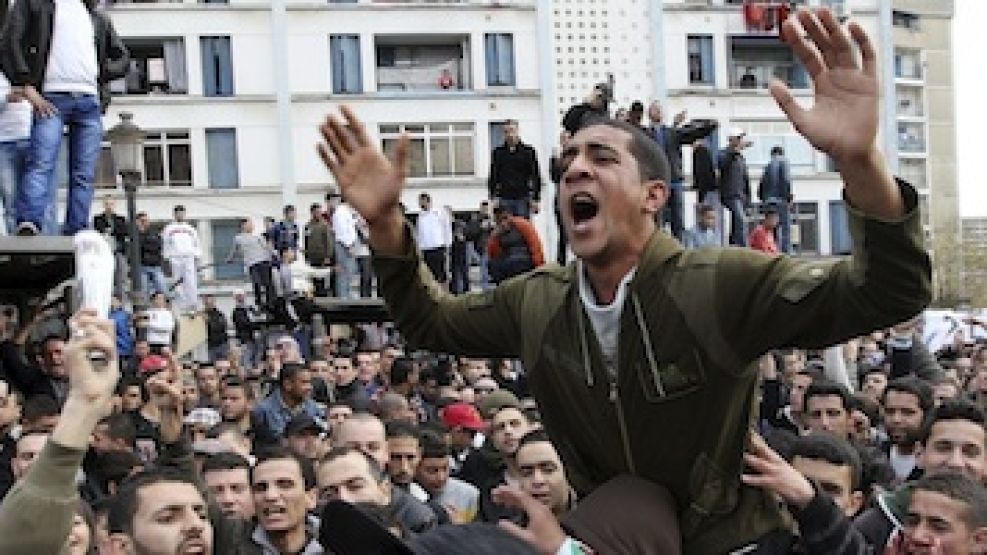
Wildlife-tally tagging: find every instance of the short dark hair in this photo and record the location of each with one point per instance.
(433, 445)
(279, 453)
(831, 449)
(224, 461)
(337, 453)
(867, 406)
(652, 163)
(777, 150)
(121, 426)
(827, 388)
(960, 488)
(914, 386)
(401, 369)
(289, 370)
(534, 436)
(288, 208)
(705, 209)
(39, 406)
(398, 428)
(120, 517)
(237, 381)
(954, 409)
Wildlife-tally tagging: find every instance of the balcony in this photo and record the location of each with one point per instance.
(908, 65)
(911, 138)
(157, 66)
(755, 60)
(910, 105)
(431, 63)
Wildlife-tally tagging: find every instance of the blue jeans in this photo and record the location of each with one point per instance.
(346, 269)
(674, 210)
(13, 154)
(517, 207)
(738, 221)
(81, 114)
(784, 231)
(153, 276)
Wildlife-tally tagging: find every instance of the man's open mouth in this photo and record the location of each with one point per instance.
(584, 208)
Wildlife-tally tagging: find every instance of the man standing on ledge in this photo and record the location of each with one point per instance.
(639, 335)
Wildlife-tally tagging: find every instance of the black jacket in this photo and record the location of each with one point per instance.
(215, 327)
(672, 139)
(114, 225)
(514, 173)
(26, 43)
(150, 248)
(243, 326)
(703, 169)
(734, 180)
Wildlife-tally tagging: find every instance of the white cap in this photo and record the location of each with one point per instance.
(736, 132)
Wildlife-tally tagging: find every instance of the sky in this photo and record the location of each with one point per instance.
(970, 80)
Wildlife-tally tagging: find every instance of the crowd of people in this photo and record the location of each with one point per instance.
(645, 398)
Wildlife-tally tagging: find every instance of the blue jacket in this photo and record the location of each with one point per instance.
(125, 337)
(271, 415)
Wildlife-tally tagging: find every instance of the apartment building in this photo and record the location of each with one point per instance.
(231, 95)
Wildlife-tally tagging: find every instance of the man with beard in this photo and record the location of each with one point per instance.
(638, 335)
(905, 404)
(227, 475)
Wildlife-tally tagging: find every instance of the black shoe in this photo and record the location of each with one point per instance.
(27, 229)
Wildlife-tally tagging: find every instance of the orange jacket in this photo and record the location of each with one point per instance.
(530, 234)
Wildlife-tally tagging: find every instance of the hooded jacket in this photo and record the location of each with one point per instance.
(680, 407)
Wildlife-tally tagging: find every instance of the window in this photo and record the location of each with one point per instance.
(805, 227)
(217, 66)
(839, 228)
(438, 63)
(223, 234)
(496, 134)
(221, 152)
(500, 59)
(700, 52)
(436, 150)
(167, 159)
(156, 66)
(911, 137)
(344, 52)
(907, 64)
(905, 20)
(754, 60)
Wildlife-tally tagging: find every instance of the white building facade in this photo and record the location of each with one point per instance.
(232, 94)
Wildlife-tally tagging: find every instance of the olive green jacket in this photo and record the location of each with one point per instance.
(692, 327)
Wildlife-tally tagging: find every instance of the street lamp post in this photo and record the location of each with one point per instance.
(127, 147)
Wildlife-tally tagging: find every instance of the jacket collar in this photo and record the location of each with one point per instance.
(660, 248)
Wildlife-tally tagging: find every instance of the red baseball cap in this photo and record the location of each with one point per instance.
(463, 415)
(152, 364)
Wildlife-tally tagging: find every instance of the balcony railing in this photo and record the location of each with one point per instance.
(911, 144)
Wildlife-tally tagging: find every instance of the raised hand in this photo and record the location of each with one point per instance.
(543, 531)
(89, 381)
(773, 473)
(843, 121)
(369, 181)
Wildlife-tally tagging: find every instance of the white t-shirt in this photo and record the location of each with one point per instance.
(605, 319)
(180, 239)
(72, 65)
(433, 230)
(15, 117)
(160, 326)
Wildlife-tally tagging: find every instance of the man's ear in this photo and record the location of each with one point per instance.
(655, 196)
(856, 502)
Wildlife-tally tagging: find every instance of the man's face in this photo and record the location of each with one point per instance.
(54, 360)
(10, 408)
(305, 444)
(28, 449)
(142, 349)
(108, 205)
(771, 221)
(834, 480)
(233, 403)
(131, 399)
(337, 415)
(280, 497)
(476, 369)
(143, 223)
(958, 445)
(208, 381)
(708, 219)
(874, 385)
(349, 479)
(606, 209)
(190, 391)
(936, 525)
(826, 413)
(511, 134)
(902, 417)
(963, 365)
(796, 396)
(320, 369)
(171, 517)
(424, 202)
(223, 367)
(231, 488)
(655, 113)
(791, 365)
(344, 370)
(944, 392)
(405, 454)
(506, 430)
(103, 443)
(433, 473)
(300, 385)
(247, 226)
(543, 476)
(366, 436)
(290, 215)
(367, 366)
